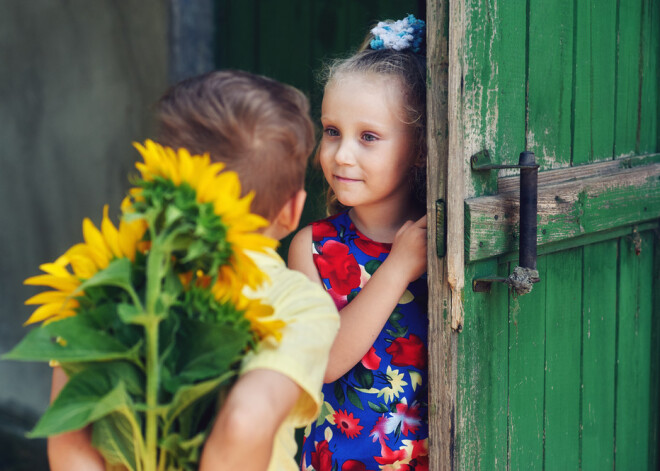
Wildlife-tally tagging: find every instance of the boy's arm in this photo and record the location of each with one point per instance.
(243, 433)
(380, 295)
(71, 451)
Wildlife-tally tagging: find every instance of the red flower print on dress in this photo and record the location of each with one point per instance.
(341, 300)
(323, 229)
(371, 360)
(347, 424)
(397, 460)
(407, 418)
(322, 457)
(372, 248)
(354, 465)
(338, 266)
(379, 432)
(408, 352)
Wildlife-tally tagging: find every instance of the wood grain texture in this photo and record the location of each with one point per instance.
(550, 65)
(482, 389)
(565, 210)
(593, 81)
(442, 339)
(598, 355)
(633, 364)
(563, 332)
(526, 376)
(628, 103)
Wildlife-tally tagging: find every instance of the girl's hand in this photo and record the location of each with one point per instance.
(408, 252)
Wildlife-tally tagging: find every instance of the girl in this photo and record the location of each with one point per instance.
(371, 255)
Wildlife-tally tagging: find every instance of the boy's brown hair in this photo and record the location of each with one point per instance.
(256, 126)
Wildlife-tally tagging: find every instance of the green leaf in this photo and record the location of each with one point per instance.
(117, 273)
(207, 350)
(339, 394)
(363, 376)
(89, 395)
(129, 314)
(113, 437)
(83, 341)
(354, 398)
(188, 395)
(379, 408)
(372, 266)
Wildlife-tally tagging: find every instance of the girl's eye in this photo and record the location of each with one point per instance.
(369, 137)
(331, 132)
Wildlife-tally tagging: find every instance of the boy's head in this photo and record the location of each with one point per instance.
(256, 126)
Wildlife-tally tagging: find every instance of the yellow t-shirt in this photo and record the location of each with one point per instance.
(312, 322)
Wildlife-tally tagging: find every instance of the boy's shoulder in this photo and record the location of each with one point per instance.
(287, 286)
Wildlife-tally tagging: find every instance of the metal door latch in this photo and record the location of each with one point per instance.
(524, 275)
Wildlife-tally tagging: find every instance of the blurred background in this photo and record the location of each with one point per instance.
(78, 80)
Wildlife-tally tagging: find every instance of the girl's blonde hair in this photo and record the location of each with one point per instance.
(410, 70)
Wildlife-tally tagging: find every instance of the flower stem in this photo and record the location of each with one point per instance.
(156, 268)
(153, 374)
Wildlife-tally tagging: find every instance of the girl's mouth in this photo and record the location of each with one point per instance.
(345, 179)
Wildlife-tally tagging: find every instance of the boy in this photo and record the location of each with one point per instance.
(261, 129)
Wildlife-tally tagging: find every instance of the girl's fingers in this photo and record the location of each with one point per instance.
(421, 222)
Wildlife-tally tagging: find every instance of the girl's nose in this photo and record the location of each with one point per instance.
(344, 155)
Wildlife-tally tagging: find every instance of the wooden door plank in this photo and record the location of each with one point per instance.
(633, 353)
(526, 376)
(598, 355)
(442, 339)
(493, 88)
(627, 80)
(550, 65)
(650, 38)
(595, 53)
(507, 60)
(565, 210)
(562, 359)
(482, 382)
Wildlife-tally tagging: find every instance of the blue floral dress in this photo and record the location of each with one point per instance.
(375, 416)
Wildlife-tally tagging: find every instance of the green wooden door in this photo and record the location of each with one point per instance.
(567, 376)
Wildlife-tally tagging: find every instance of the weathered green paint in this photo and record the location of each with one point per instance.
(550, 83)
(629, 19)
(633, 353)
(483, 353)
(650, 38)
(526, 376)
(565, 210)
(594, 78)
(598, 355)
(562, 359)
(577, 82)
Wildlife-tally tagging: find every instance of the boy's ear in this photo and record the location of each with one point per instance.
(289, 216)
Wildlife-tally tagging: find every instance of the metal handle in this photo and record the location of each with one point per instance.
(524, 275)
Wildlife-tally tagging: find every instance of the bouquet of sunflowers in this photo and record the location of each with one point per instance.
(148, 319)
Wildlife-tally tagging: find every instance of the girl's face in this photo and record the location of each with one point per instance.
(366, 149)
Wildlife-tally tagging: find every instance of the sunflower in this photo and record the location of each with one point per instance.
(80, 263)
(261, 318)
(221, 189)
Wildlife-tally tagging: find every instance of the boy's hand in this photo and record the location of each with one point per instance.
(409, 249)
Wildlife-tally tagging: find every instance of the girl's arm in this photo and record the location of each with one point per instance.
(243, 433)
(364, 317)
(71, 451)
